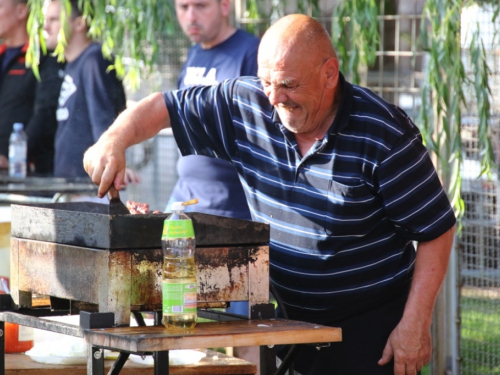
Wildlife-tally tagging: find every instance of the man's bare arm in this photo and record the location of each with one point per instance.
(410, 342)
(105, 160)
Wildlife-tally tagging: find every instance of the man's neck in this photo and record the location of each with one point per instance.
(75, 47)
(226, 32)
(16, 38)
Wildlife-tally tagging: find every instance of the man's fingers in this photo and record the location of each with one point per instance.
(118, 180)
(386, 355)
(107, 177)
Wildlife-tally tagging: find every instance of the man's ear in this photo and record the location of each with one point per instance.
(331, 70)
(22, 11)
(80, 24)
(225, 7)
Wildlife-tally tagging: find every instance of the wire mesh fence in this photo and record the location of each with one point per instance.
(479, 244)
(397, 77)
(155, 160)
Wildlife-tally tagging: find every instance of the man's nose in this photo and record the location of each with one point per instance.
(276, 96)
(191, 13)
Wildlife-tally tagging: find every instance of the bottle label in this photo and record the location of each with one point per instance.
(179, 296)
(177, 229)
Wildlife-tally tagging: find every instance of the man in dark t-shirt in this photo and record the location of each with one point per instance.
(91, 97)
(220, 52)
(23, 98)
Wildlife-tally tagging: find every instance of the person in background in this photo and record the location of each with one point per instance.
(52, 24)
(344, 181)
(221, 51)
(90, 99)
(23, 98)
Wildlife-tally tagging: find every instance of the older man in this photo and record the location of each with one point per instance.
(344, 181)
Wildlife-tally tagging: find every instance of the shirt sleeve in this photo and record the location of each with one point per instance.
(201, 119)
(414, 198)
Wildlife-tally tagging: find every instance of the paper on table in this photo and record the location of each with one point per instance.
(175, 358)
(67, 350)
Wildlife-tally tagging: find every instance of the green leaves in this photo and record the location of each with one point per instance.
(355, 35)
(445, 89)
(127, 29)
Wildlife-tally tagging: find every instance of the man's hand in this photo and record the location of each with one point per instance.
(410, 342)
(410, 345)
(105, 160)
(105, 164)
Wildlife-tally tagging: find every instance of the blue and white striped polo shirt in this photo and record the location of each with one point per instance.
(344, 216)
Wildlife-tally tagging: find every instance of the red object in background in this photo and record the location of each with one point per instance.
(18, 339)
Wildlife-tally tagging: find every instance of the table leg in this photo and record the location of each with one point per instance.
(161, 362)
(95, 361)
(2, 348)
(119, 363)
(267, 360)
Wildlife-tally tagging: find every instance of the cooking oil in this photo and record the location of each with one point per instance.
(179, 285)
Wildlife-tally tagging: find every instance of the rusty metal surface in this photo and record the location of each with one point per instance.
(74, 273)
(146, 277)
(258, 275)
(120, 281)
(223, 274)
(88, 224)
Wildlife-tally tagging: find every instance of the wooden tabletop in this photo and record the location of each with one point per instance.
(213, 334)
(213, 364)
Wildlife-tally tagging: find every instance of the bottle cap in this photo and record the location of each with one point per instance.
(18, 126)
(177, 206)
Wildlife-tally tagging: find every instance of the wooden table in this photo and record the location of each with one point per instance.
(214, 334)
(157, 339)
(214, 363)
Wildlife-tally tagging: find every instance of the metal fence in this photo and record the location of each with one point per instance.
(396, 76)
(155, 160)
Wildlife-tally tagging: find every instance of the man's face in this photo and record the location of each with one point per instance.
(52, 23)
(12, 15)
(201, 20)
(296, 88)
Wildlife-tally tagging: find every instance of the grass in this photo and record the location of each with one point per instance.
(480, 347)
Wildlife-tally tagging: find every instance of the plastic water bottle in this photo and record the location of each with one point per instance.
(18, 150)
(179, 287)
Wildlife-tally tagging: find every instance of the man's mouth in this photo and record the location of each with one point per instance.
(289, 107)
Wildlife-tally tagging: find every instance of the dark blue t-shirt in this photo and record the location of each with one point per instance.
(90, 100)
(214, 181)
(9, 55)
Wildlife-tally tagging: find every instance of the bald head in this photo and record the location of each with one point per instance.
(293, 36)
(299, 73)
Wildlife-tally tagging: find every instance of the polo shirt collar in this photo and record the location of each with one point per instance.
(344, 113)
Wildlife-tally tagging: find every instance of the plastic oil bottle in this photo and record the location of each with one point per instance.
(179, 285)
